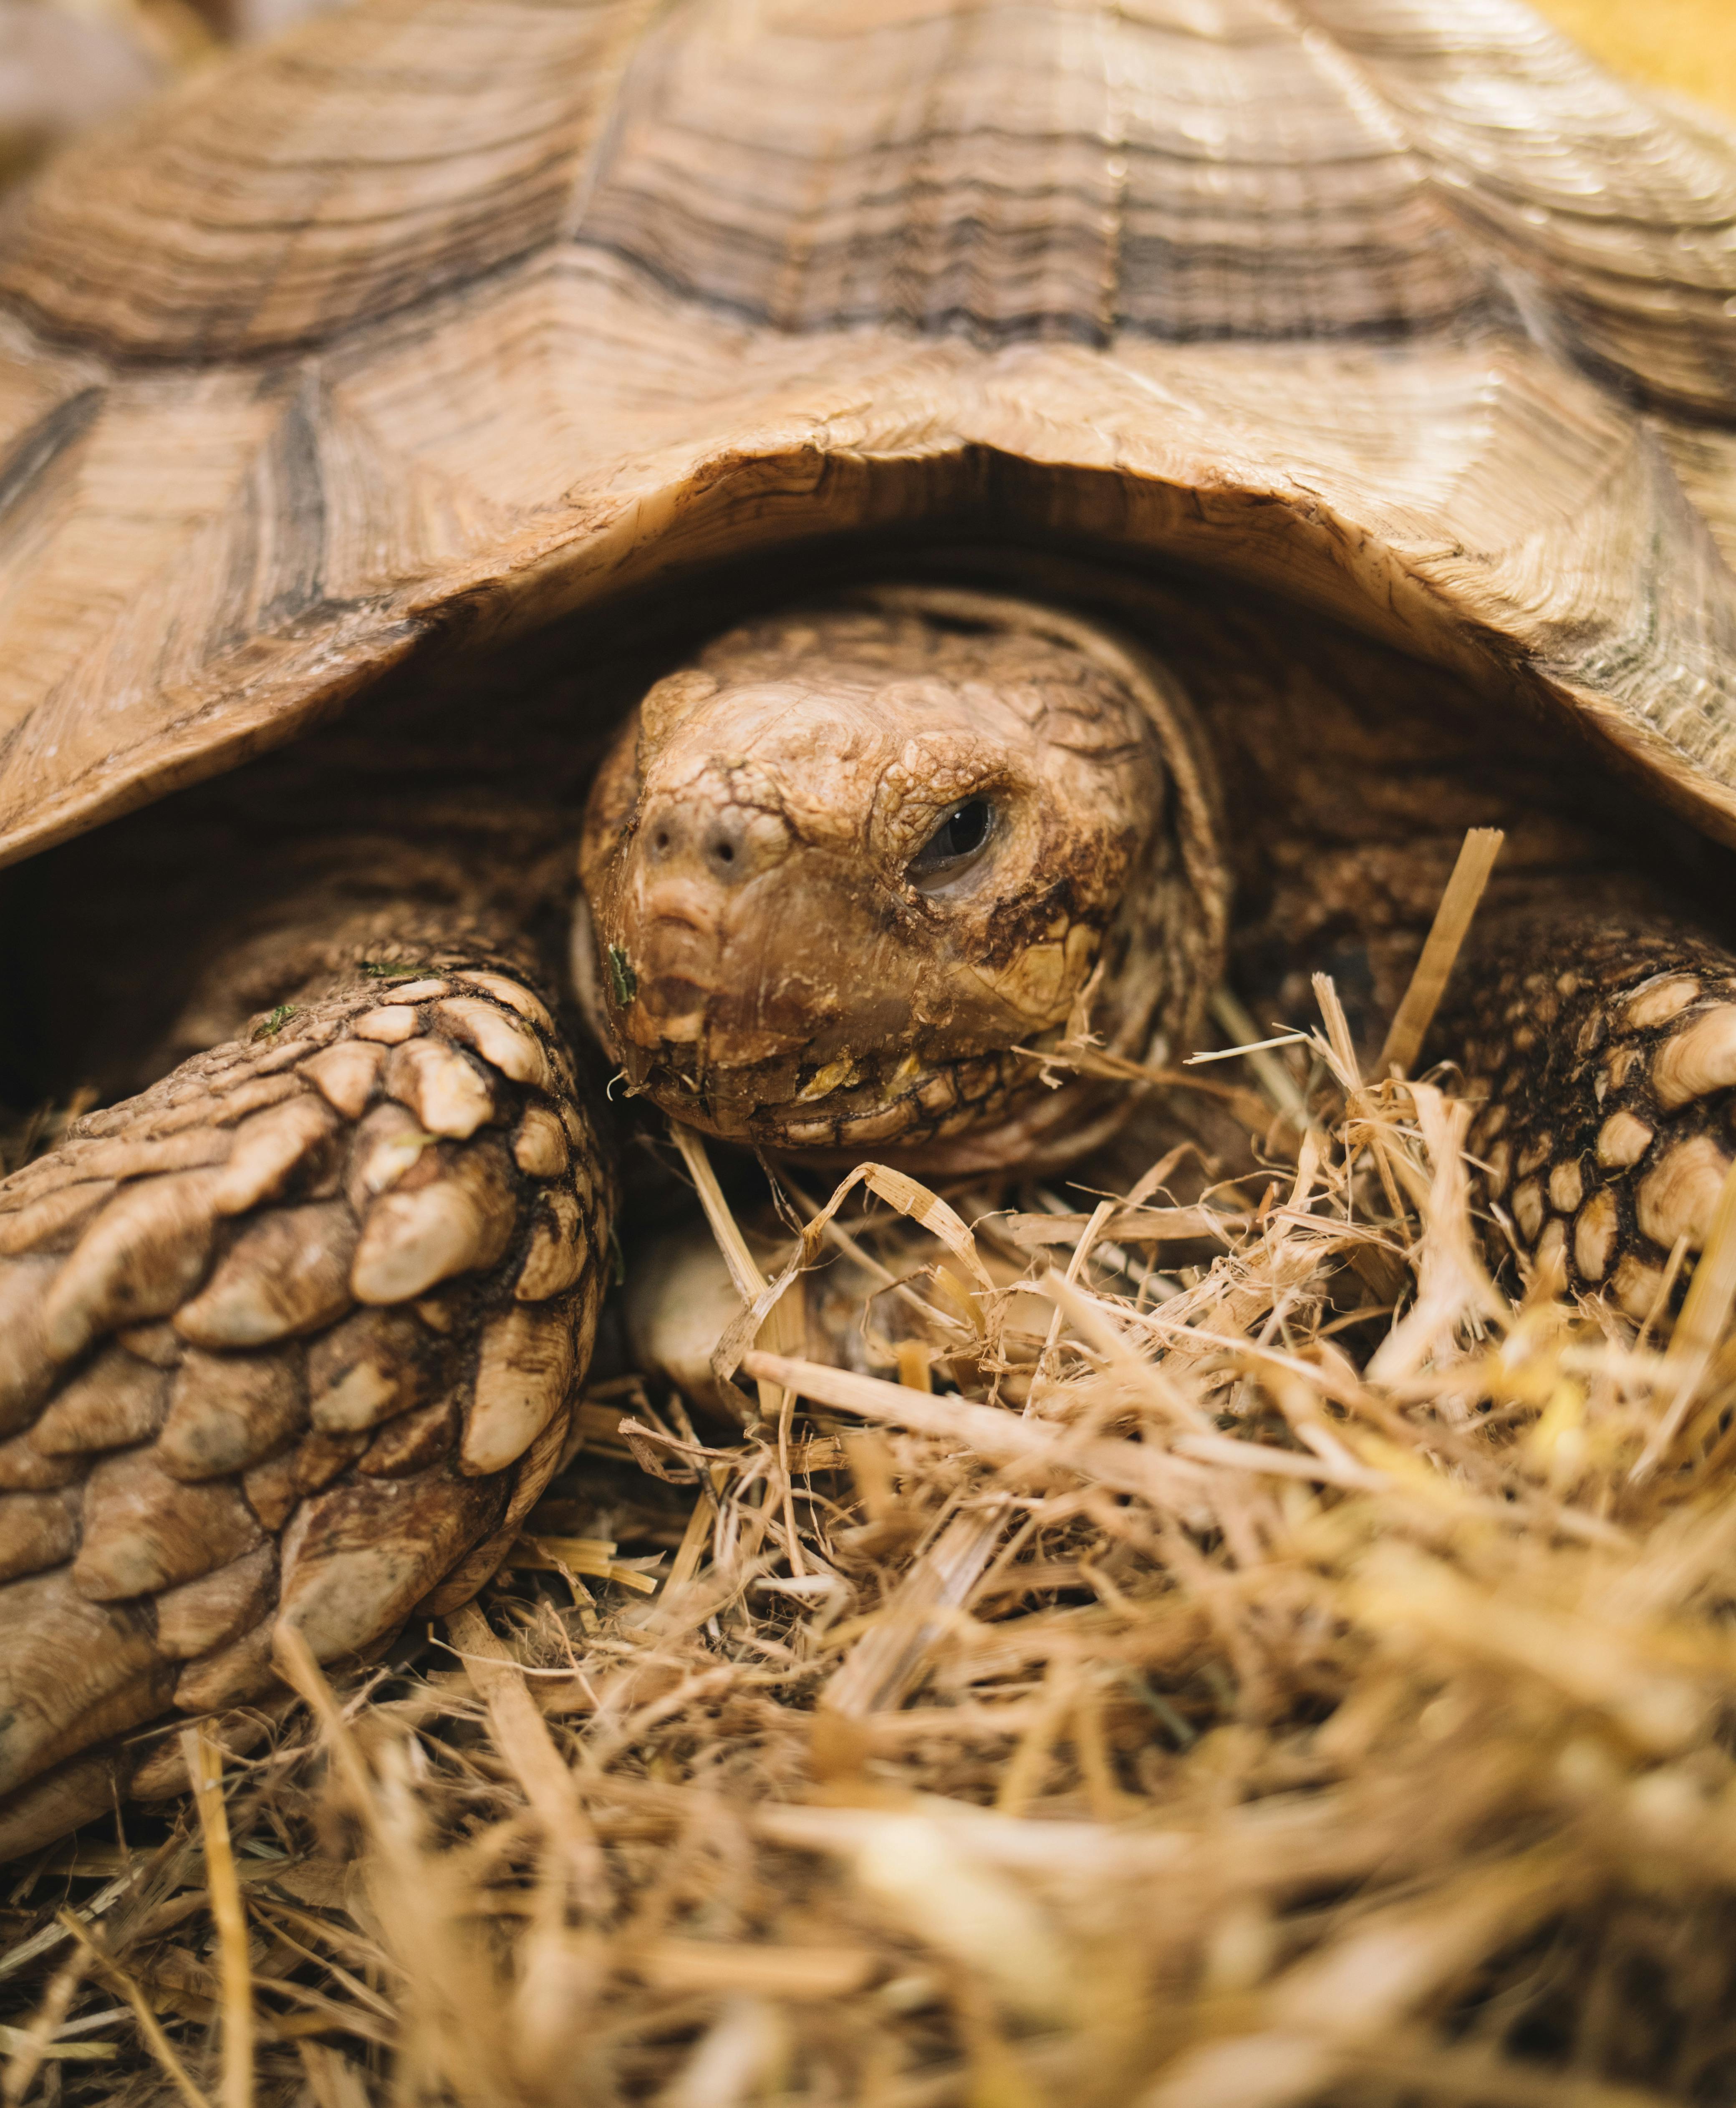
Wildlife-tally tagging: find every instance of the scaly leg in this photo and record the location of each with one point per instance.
(292, 1337)
(1604, 1044)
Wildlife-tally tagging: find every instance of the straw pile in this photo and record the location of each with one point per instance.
(1300, 1674)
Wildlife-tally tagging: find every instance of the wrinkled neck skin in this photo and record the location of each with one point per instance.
(854, 870)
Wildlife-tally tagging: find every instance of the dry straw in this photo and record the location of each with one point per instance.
(1210, 1647)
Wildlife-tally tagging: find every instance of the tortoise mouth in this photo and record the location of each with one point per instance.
(954, 1113)
(978, 1112)
(673, 999)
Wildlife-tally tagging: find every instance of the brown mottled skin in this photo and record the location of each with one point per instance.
(293, 1337)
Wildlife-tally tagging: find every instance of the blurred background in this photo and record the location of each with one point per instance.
(66, 64)
(1686, 45)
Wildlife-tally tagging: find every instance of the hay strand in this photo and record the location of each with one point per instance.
(204, 1760)
(156, 2040)
(1434, 969)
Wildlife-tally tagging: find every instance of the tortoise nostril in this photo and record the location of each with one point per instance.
(725, 850)
(723, 844)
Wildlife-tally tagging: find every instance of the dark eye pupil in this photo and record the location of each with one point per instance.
(960, 836)
(966, 830)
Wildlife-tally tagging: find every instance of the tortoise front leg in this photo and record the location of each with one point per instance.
(1604, 1047)
(291, 1338)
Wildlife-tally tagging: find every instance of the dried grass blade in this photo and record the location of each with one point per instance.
(915, 1200)
(52, 1935)
(1238, 1456)
(1203, 1319)
(692, 1549)
(744, 1270)
(280, 1917)
(997, 1436)
(885, 1664)
(1147, 1378)
(297, 1665)
(1338, 1039)
(545, 1556)
(14, 2040)
(26, 2047)
(1453, 918)
(204, 1760)
(1249, 1048)
(912, 1199)
(1075, 1265)
(780, 1314)
(149, 2026)
(1134, 1467)
(1274, 1077)
(1453, 1284)
(776, 1972)
(528, 1746)
(1246, 1106)
(333, 2080)
(1127, 1226)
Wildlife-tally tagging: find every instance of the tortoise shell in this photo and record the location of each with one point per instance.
(443, 317)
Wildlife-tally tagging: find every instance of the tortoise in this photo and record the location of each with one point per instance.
(974, 522)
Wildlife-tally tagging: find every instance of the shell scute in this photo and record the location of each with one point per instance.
(1383, 301)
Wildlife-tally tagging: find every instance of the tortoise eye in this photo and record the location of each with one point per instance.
(956, 843)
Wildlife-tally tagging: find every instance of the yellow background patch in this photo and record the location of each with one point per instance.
(1687, 45)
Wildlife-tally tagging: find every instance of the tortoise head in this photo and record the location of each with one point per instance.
(854, 871)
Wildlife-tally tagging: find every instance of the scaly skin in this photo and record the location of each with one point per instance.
(291, 1338)
(1603, 1044)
